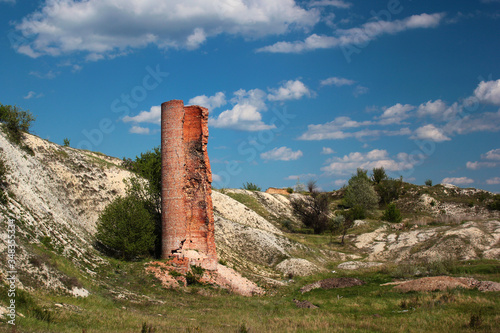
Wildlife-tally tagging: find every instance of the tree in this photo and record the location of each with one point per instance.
(360, 192)
(311, 186)
(428, 182)
(313, 211)
(392, 214)
(378, 175)
(66, 142)
(125, 228)
(251, 187)
(340, 224)
(389, 190)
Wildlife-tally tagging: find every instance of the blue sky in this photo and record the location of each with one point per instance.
(296, 89)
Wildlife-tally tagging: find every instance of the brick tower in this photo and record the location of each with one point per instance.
(187, 211)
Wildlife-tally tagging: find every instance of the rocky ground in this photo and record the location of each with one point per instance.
(56, 195)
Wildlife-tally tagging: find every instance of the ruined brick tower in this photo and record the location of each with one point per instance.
(187, 212)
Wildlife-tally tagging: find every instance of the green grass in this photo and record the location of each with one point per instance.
(367, 308)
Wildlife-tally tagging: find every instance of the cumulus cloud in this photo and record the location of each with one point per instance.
(292, 89)
(212, 102)
(430, 132)
(360, 90)
(327, 151)
(332, 130)
(488, 92)
(483, 122)
(152, 116)
(103, 28)
(395, 114)
(457, 181)
(337, 81)
(49, 75)
(433, 109)
(491, 158)
(340, 182)
(245, 114)
(281, 154)
(139, 130)
(492, 155)
(373, 159)
(493, 181)
(359, 35)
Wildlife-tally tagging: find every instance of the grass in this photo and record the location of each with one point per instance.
(366, 308)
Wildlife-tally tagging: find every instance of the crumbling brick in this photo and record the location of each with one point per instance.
(187, 211)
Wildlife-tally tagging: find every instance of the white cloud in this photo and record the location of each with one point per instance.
(152, 116)
(245, 114)
(433, 109)
(337, 81)
(216, 178)
(332, 130)
(281, 154)
(457, 181)
(395, 114)
(327, 151)
(302, 176)
(484, 122)
(212, 102)
(360, 35)
(493, 181)
(333, 3)
(373, 159)
(480, 165)
(139, 130)
(340, 182)
(430, 132)
(492, 155)
(109, 28)
(32, 94)
(288, 91)
(488, 92)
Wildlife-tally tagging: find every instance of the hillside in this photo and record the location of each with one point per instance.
(55, 195)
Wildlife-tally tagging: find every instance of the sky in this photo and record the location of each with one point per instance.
(296, 90)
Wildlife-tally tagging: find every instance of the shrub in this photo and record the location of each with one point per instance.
(428, 182)
(16, 121)
(251, 187)
(360, 192)
(495, 203)
(392, 214)
(313, 211)
(66, 142)
(289, 190)
(3, 173)
(311, 186)
(125, 228)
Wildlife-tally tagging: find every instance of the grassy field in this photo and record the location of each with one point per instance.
(367, 308)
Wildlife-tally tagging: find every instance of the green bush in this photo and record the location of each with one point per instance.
(495, 203)
(392, 214)
(125, 228)
(66, 142)
(16, 121)
(289, 190)
(251, 187)
(428, 182)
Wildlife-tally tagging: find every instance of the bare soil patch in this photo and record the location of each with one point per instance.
(333, 283)
(445, 283)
